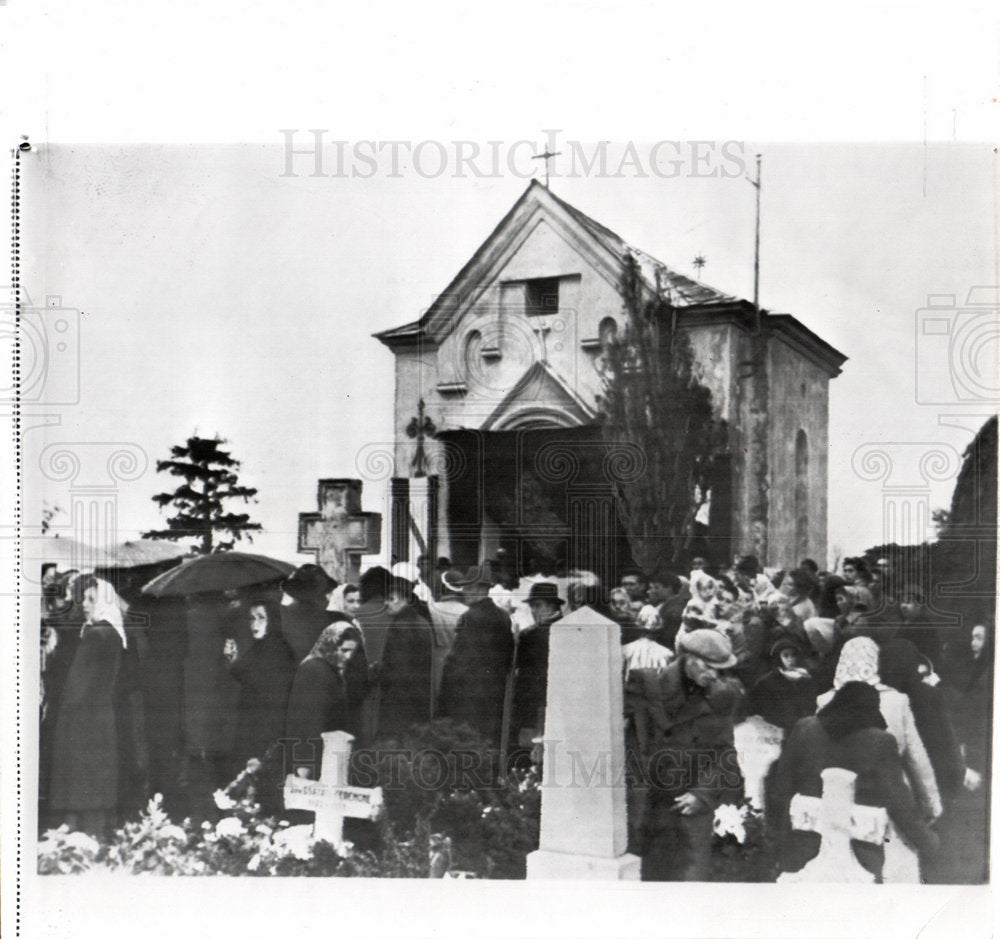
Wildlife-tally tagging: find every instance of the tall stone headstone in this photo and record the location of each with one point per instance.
(340, 533)
(584, 830)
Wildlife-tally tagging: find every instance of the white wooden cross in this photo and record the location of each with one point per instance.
(329, 796)
(839, 820)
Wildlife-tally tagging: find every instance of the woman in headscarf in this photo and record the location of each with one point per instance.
(859, 661)
(848, 732)
(264, 670)
(84, 788)
(326, 693)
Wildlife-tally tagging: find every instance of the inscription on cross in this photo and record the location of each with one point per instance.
(340, 533)
(839, 820)
(329, 796)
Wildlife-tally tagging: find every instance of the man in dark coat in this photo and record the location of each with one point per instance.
(406, 668)
(305, 594)
(680, 726)
(472, 688)
(532, 679)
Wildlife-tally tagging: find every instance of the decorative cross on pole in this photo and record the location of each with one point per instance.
(699, 263)
(546, 156)
(419, 427)
(329, 796)
(839, 820)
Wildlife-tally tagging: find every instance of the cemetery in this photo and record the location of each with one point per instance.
(595, 632)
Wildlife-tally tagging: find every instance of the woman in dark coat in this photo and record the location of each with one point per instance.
(84, 789)
(475, 674)
(849, 732)
(899, 667)
(265, 671)
(323, 697)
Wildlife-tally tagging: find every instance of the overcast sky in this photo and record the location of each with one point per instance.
(220, 295)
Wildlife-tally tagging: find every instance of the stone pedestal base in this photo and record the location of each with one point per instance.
(554, 865)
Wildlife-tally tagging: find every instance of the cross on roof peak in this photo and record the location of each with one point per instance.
(546, 156)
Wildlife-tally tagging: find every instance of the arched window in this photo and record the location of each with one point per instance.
(607, 331)
(801, 495)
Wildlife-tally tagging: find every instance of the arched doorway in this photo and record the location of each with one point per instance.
(541, 489)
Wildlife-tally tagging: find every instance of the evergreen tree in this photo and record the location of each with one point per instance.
(210, 480)
(654, 401)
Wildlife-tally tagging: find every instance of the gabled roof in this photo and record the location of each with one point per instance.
(606, 251)
(521, 401)
(605, 248)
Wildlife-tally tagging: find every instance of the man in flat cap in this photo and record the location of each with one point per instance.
(680, 733)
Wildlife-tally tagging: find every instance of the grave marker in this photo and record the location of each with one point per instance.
(838, 820)
(583, 829)
(340, 533)
(329, 796)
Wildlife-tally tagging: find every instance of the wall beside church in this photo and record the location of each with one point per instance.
(798, 457)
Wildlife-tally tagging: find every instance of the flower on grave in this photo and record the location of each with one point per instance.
(81, 842)
(230, 828)
(223, 801)
(729, 820)
(174, 832)
(297, 840)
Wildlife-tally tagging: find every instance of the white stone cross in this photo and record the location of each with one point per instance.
(329, 796)
(839, 820)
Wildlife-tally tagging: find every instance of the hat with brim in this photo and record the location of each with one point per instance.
(406, 570)
(545, 592)
(461, 581)
(710, 645)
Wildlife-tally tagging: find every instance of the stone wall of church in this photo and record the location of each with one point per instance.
(798, 457)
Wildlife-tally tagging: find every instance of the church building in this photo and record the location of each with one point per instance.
(497, 430)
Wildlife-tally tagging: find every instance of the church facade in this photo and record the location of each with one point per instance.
(497, 434)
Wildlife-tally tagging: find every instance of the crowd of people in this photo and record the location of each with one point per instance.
(852, 669)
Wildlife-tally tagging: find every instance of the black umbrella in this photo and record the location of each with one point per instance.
(214, 573)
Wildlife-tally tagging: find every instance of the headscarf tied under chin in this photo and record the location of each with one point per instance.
(107, 609)
(858, 662)
(331, 639)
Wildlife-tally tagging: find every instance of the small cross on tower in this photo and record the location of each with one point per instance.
(546, 156)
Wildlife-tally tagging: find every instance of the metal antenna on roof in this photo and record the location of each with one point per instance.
(546, 156)
(756, 245)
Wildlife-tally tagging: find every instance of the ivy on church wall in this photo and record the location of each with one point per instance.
(653, 400)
